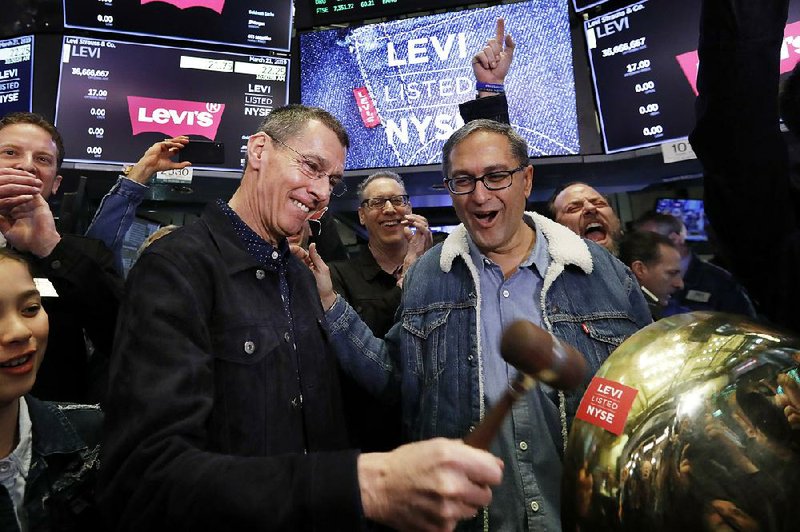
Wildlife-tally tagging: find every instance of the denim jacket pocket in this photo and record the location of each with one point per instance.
(596, 335)
(426, 347)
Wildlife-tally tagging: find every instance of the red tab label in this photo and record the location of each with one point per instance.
(606, 404)
(369, 115)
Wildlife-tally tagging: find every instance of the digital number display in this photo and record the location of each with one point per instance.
(644, 95)
(16, 74)
(644, 64)
(112, 111)
(257, 24)
(330, 11)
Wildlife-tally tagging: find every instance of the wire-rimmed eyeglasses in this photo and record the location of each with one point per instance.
(497, 180)
(401, 200)
(311, 169)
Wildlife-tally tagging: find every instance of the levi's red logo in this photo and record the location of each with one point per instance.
(174, 117)
(369, 115)
(214, 5)
(606, 404)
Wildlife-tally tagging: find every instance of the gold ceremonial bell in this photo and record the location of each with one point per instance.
(712, 441)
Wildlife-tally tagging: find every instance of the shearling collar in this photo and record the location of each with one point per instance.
(564, 246)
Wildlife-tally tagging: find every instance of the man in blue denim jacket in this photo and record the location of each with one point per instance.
(502, 264)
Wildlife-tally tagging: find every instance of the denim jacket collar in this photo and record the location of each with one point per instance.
(52, 432)
(565, 247)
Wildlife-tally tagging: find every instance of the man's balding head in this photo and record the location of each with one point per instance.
(587, 213)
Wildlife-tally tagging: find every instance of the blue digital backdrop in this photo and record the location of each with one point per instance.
(416, 71)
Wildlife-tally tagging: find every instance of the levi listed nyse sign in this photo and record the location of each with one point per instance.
(396, 86)
(112, 111)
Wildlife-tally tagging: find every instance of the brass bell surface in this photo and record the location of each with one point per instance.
(711, 442)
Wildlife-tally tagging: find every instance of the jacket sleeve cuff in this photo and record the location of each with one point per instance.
(335, 492)
(491, 107)
(130, 188)
(62, 259)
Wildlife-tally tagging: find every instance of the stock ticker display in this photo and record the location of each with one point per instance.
(396, 85)
(112, 106)
(16, 74)
(644, 65)
(330, 11)
(255, 24)
(642, 73)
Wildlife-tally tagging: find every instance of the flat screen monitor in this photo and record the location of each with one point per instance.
(396, 85)
(644, 65)
(643, 96)
(16, 74)
(331, 11)
(115, 99)
(263, 24)
(690, 211)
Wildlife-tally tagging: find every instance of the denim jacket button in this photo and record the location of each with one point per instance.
(523, 445)
(534, 506)
(249, 347)
(260, 274)
(286, 337)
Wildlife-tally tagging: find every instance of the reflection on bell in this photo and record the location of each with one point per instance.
(711, 442)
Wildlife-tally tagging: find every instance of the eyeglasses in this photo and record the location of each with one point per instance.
(311, 169)
(379, 203)
(492, 181)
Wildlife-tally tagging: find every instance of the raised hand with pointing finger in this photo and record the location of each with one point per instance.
(491, 64)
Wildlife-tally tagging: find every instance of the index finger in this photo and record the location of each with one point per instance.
(500, 30)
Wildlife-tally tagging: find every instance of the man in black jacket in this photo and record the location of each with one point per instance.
(224, 410)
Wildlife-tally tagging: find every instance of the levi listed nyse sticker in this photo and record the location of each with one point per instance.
(606, 404)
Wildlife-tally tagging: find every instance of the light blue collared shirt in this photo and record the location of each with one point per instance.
(529, 497)
(14, 467)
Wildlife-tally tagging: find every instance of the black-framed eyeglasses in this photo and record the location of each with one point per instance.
(400, 200)
(463, 184)
(311, 169)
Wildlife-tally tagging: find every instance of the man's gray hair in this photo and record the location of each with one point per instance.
(380, 174)
(519, 148)
(286, 122)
